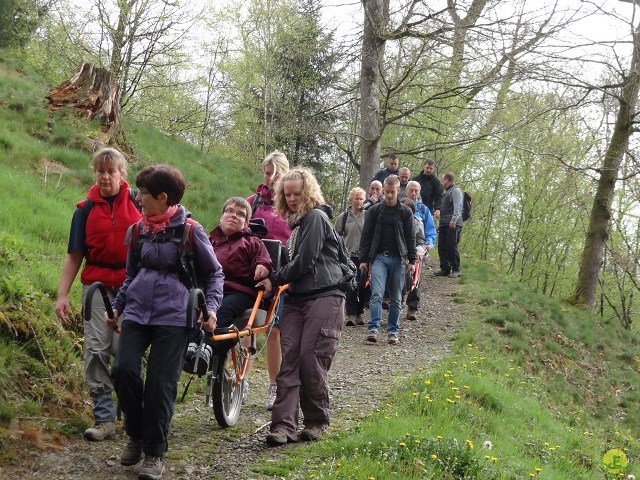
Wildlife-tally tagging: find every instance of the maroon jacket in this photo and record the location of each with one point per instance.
(239, 255)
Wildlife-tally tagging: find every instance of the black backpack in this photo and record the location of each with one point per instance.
(466, 206)
(349, 281)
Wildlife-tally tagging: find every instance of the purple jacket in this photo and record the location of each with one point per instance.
(156, 296)
(277, 226)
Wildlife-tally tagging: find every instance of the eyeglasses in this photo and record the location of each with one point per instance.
(231, 211)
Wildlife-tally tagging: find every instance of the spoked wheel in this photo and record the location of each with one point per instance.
(224, 392)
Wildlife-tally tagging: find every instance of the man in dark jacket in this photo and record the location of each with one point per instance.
(431, 190)
(450, 228)
(392, 169)
(387, 245)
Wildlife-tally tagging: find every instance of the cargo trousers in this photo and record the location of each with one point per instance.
(309, 337)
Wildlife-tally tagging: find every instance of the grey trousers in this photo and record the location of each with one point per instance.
(100, 344)
(308, 340)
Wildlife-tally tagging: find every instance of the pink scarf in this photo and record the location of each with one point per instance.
(157, 223)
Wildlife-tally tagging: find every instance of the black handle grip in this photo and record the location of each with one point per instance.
(105, 299)
(196, 301)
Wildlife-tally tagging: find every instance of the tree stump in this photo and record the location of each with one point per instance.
(93, 91)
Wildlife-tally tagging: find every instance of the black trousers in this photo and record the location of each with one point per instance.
(148, 404)
(448, 239)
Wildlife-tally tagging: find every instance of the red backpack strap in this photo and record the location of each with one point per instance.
(187, 234)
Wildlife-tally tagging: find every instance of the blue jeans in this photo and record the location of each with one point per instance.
(386, 271)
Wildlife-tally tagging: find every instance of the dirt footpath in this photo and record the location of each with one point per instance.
(361, 377)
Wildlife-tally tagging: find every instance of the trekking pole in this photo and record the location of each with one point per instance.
(105, 298)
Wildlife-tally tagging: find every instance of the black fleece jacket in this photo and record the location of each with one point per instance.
(405, 236)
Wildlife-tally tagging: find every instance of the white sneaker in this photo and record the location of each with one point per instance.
(271, 396)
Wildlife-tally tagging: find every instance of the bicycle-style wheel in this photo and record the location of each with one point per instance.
(225, 396)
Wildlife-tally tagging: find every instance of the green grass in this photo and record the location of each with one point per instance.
(549, 387)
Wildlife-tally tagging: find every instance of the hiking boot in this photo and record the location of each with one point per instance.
(411, 314)
(196, 360)
(392, 339)
(440, 273)
(454, 274)
(359, 320)
(152, 468)
(245, 390)
(350, 321)
(372, 337)
(276, 439)
(100, 431)
(271, 396)
(132, 453)
(311, 434)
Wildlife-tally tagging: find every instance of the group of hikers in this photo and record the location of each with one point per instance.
(145, 248)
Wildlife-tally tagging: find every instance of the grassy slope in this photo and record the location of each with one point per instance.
(551, 387)
(44, 170)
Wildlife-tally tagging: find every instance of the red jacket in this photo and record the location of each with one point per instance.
(106, 253)
(239, 255)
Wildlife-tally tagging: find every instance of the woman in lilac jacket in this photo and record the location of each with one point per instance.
(153, 306)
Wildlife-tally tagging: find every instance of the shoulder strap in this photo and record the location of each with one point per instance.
(133, 232)
(343, 225)
(88, 205)
(257, 200)
(133, 195)
(187, 245)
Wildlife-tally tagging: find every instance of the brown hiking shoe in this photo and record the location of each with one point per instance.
(276, 439)
(311, 434)
(132, 453)
(100, 431)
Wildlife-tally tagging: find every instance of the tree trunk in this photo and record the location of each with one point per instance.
(375, 18)
(598, 230)
(91, 91)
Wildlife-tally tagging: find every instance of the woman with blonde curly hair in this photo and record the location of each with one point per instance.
(274, 165)
(313, 313)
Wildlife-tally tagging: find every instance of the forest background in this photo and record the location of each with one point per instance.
(531, 104)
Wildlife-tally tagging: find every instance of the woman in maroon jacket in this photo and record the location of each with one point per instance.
(244, 259)
(98, 229)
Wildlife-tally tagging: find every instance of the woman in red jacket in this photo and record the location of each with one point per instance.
(97, 234)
